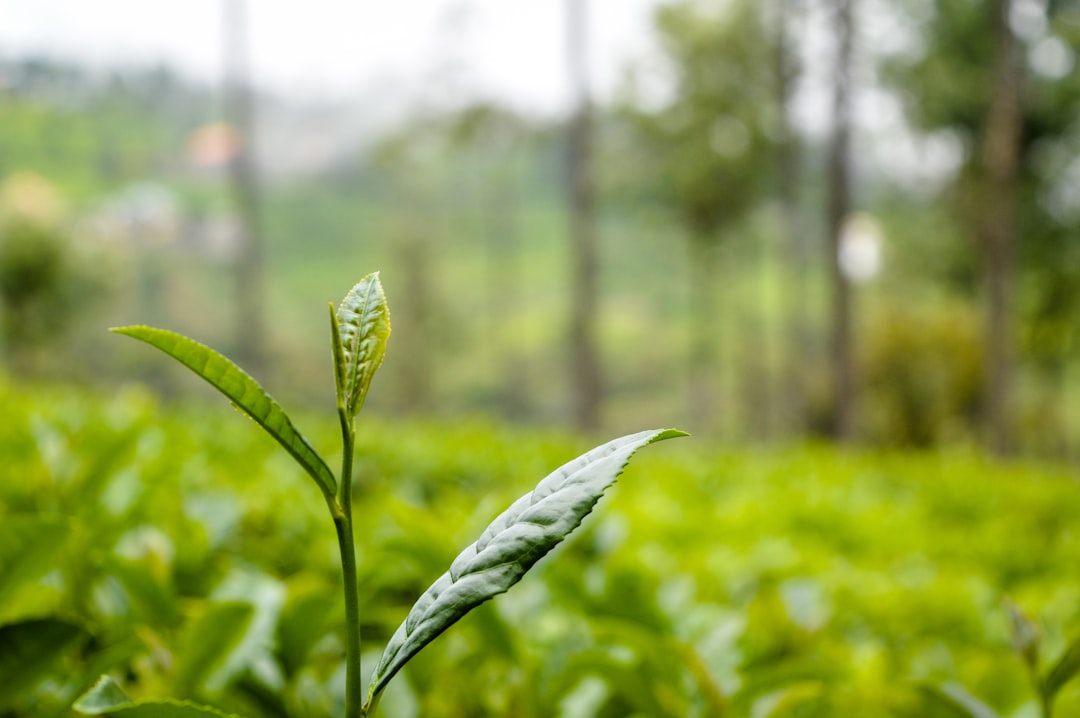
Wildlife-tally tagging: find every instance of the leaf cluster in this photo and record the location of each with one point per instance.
(789, 583)
(529, 529)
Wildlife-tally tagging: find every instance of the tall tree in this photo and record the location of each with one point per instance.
(839, 206)
(710, 151)
(240, 112)
(786, 16)
(585, 360)
(409, 164)
(492, 137)
(1000, 158)
(1001, 76)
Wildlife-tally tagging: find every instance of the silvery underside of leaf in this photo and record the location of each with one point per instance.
(510, 546)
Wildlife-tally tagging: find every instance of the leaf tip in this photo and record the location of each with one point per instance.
(669, 434)
(104, 696)
(133, 330)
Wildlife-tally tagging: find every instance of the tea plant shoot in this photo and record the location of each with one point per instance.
(517, 538)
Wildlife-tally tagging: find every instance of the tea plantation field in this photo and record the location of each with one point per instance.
(175, 548)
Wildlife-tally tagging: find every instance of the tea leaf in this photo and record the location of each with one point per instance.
(1025, 636)
(957, 699)
(30, 546)
(208, 643)
(103, 697)
(340, 371)
(788, 700)
(107, 698)
(510, 546)
(148, 595)
(1063, 671)
(167, 709)
(30, 650)
(225, 376)
(304, 621)
(363, 328)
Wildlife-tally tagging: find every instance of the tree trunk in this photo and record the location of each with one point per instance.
(585, 364)
(414, 256)
(505, 277)
(838, 208)
(240, 112)
(1000, 164)
(793, 243)
(704, 362)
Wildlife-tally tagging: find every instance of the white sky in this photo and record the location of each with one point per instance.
(513, 49)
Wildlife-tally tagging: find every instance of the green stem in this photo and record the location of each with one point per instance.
(352, 617)
(1045, 701)
(348, 439)
(344, 526)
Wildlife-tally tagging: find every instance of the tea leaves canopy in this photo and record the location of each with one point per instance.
(30, 649)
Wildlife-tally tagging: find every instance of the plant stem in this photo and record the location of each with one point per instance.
(352, 616)
(344, 526)
(1045, 701)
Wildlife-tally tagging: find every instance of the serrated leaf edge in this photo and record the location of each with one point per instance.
(306, 456)
(171, 702)
(413, 635)
(359, 315)
(129, 704)
(339, 358)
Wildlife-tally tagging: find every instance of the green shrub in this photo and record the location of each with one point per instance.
(922, 374)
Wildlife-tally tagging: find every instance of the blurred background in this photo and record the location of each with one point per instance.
(758, 220)
(837, 240)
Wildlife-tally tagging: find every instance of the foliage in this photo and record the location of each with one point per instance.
(921, 372)
(46, 285)
(91, 131)
(427, 202)
(703, 154)
(33, 285)
(1027, 644)
(710, 143)
(506, 550)
(946, 85)
(801, 581)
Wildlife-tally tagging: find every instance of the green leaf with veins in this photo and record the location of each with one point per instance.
(510, 546)
(232, 381)
(362, 330)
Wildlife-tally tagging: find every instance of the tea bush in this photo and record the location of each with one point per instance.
(174, 548)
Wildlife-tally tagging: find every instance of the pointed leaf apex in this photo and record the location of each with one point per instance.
(103, 697)
(510, 546)
(244, 392)
(669, 434)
